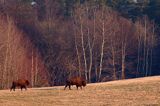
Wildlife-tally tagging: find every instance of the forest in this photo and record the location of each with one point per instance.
(48, 41)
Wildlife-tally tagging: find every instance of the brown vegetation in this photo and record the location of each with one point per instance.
(18, 56)
(78, 81)
(134, 92)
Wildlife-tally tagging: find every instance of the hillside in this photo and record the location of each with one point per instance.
(133, 92)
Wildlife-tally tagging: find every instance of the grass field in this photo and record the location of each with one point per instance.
(134, 92)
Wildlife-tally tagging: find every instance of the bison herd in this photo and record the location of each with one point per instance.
(23, 83)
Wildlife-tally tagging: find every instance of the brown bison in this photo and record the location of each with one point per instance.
(22, 83)
(78, 81)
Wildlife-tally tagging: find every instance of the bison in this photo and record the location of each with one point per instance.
(78, 81)
(22, 83)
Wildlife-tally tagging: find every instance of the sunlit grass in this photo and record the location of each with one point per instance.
(137, 92)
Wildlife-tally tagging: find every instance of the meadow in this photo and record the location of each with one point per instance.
(131, 92)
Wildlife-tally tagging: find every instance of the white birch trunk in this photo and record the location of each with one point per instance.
(83, 48)
(102, 47)
(32, 68)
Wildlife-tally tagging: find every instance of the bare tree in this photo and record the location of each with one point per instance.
(146, 42)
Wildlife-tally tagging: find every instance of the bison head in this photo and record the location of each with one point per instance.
(84, 83)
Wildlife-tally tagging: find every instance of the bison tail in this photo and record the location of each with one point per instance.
(27, 82)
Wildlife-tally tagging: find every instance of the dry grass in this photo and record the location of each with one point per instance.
(135, 92)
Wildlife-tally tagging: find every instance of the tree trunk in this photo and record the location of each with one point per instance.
(83, 48)
(144, 48)
(78, 54)
(102, 48)
(36, 70)
(123, 62)
(113, 60)
(90, 48)
(32, 68)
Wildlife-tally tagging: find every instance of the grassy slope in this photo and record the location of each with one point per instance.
(134, 92)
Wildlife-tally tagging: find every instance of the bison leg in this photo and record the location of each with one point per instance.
(77, 87)
(69, 87)
(21, 88)
(25, 87)
(65, 86)
(13, 88)
(81, 87)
